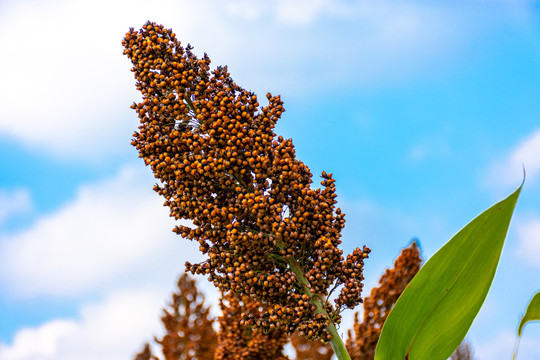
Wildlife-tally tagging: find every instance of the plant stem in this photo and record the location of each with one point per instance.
(516, 348)
(337, 344)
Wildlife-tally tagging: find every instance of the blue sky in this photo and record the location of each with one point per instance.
(425, 113)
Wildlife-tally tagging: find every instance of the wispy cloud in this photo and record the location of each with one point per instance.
(68, 87)
(113, 232)
(14, 202)
(502, 345)
(528, 154)
(498, 348)
(509, 170)
(113, 240)
(303, 12)
(67, 84)
(528, 234)
(433, 146)
(37, 343)
(112, 329)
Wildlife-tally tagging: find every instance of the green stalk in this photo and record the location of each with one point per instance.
(337, 344)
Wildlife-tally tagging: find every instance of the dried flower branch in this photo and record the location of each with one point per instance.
(379, 303)
(266, 232)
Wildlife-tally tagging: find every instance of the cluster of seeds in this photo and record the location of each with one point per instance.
(239, 342)
(379, 303)
(266, 232)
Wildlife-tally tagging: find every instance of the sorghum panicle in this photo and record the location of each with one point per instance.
(189, 328)
(189, 332)
(378, 304)
(265, 231)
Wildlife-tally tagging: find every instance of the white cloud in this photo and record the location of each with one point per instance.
(528, 154)
(430, 147)
(302, 11)
(115, 231)
(113, 239)
(110, 330)
(37, 342)
(528, 249)
(68, 88)
(501, 347)
(14, 202)
(509, 171)
(247, 9)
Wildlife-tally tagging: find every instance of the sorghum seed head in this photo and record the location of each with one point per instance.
(249, 199)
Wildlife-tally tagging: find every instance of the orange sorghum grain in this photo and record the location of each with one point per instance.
(266, 233)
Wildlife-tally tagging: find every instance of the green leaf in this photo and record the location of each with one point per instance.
(436, 310)
(532, 313)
